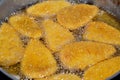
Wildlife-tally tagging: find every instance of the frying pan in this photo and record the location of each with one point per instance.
(9, 7)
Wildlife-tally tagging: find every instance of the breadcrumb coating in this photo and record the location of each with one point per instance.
(79, 55)
(62, 77)
(56, 36)
(38, 61)
(47, 8)
(26, 26)
(102, 32)
(11, 47)
(103, 70)
(76, 16)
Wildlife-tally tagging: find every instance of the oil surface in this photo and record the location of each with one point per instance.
(102, 16)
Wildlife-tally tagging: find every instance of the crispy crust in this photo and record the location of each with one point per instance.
(76, 16)
(47, 8)
(56, 36)
(62, 77)
(102, 32)
(11, 47)
(103, 70)
(26, 26)
(78, 55)
(38, 61)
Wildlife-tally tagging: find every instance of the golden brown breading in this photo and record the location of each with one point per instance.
(56, 0)
(38, 61)
(78, 55)
(62, 77)
(11, 47)
(103, 70)
(47, 8)
(107, 18)
(76, 16)
(56, 36)
(102, 32)
(26, 26)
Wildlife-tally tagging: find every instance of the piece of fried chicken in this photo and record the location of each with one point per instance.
(62, 77)
(102, 32)
(47, 8)
(76, 16)
(11, 47)
(26, 26)
(56, 36)
(103, 70)
(38, 61)
(79, 55)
